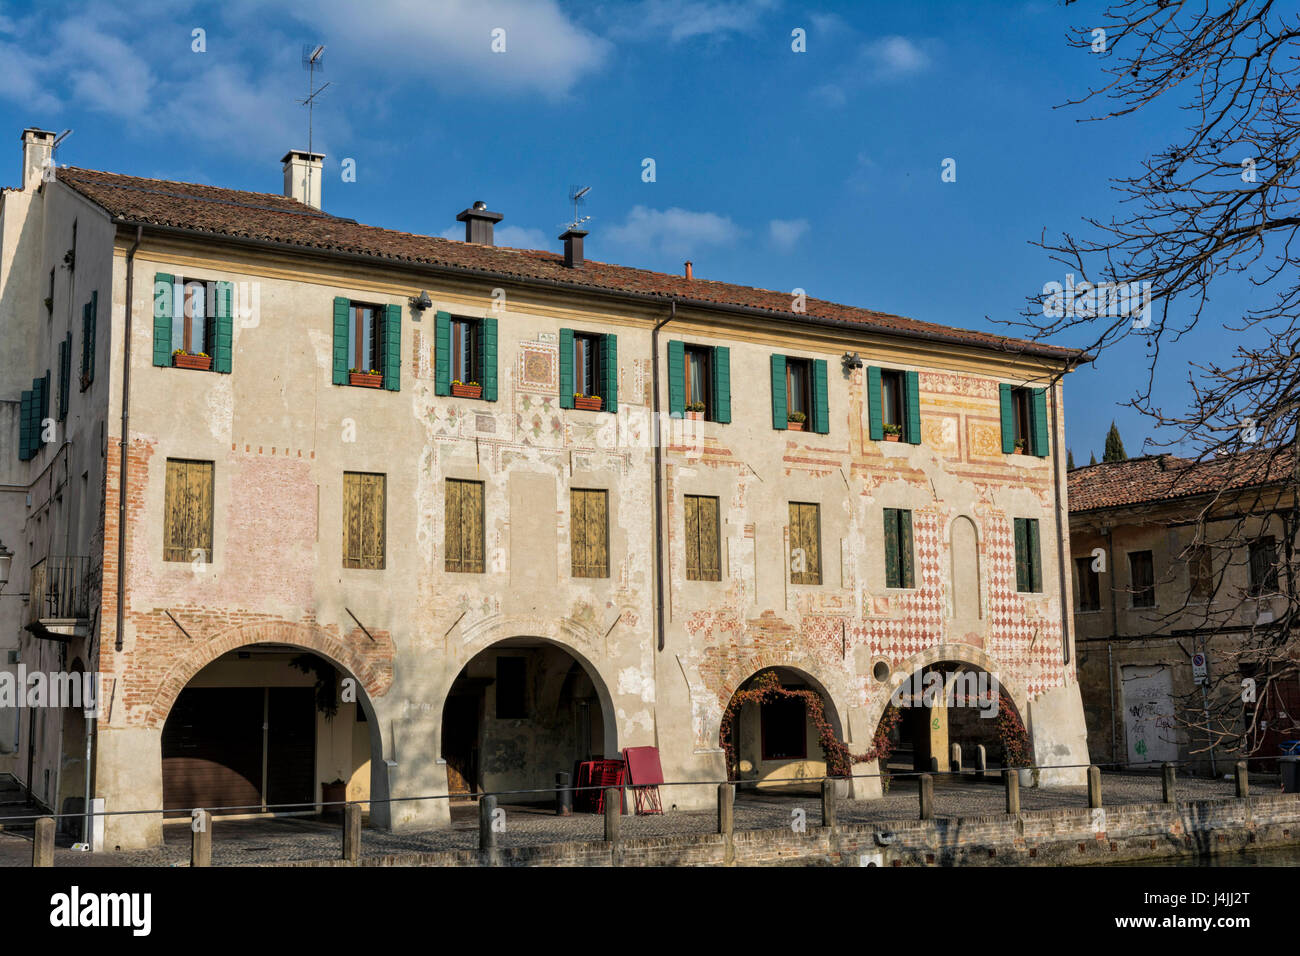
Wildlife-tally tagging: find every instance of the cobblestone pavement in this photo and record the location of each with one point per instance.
(282, 839)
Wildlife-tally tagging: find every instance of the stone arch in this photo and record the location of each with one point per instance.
(575, 638)
(374, 676)
(740, 670)
(963, 653)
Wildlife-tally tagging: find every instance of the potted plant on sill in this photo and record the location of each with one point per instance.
(466, 389)
(892, 432)
(1020, 446)
(196, 360)
(794, 421)
(590, 403)
(695, 411)
(371, 379)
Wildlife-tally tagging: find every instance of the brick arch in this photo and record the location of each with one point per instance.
(373, 671)
(961, 653)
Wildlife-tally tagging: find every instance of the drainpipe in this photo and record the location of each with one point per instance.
(659, 479)
(1114, 633)
(1110, 669)
(123, 441)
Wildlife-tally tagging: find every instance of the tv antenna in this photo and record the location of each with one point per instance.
(578, 197)
(313, 59)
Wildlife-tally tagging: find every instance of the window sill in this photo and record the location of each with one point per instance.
(1087, 610)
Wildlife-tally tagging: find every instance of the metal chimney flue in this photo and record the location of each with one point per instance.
(479, 222)
(572, 239)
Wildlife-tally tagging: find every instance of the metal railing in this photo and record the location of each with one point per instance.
(60, 589)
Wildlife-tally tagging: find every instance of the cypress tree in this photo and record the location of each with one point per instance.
(1114, 446)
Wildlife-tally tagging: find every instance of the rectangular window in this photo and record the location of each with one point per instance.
(1089, 585)
(805, 543)
(512, 688)
(1200, 573)
(589, 532)
(1142, 578)
(364, 338)
(464, 517)
(784, 729)
(698, 397)
(899, 568)
(891, 400)
(364, 520)
(702, 545)
(1029, 562)
(1263, 566)
(465, 347)
(191, 328)
(1020, 399)
(187, 503)
(586, 365)
(798, 389)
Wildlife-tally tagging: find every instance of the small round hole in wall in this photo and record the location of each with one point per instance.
(880, 672)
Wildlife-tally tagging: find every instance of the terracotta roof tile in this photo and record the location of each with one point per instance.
(269, 217)
(1154, 478)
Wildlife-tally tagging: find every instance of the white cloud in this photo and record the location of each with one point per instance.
(513, 237)
(882, 60)
(897, 56)
(674, 231)
(784, 233)
(683, 19)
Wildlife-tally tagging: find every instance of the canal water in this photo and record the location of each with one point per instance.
(1285, 856)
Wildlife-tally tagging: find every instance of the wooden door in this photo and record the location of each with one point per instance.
(460, 743)
(291, 748)
(212, 750)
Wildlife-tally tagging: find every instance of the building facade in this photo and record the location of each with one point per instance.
(410, 516)
(1181, 580)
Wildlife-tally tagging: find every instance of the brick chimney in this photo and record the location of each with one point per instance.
(573, 248)
(479, 222)
(302, 176)
(38, 152)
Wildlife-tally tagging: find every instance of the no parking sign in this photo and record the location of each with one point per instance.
(1200, 669)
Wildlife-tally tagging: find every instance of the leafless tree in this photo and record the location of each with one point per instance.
(1219, 202)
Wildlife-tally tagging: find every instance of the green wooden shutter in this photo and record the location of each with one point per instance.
(609, 371)
(45, 395)
(392, 367)
(892, 569)
(1022, 555)
(1038, 433)
(488, 351)
(722, 384)
(907, 569)
(341, 306)
(64, 347)
(1034, 555)
(566, 368)
(88, 350)
(821, 422)
(875, 419)
(1008, 420)
(25, 427)
(442, 354)
(163, 304)
(912, 401)
(779, 408)
(223, 332)
(676, 379)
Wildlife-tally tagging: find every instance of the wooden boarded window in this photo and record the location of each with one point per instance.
(589, 532)
(512, 688)
(364, 516)
(702, 544)
(900, 569)
(1263, 566)
(805, 543)
(1029, 563)
(464, 516)
(1200, 573)
(1089, 584)
(187, 522)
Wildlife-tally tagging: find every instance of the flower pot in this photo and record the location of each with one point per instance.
(794, 426)
(366, 380)
(467, 391)
(695, 416)
(889, 437)
(590, 403)
(201, 362)
(1019, 450)
(1026, 775)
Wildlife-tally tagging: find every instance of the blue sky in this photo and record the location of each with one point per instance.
(818, 170)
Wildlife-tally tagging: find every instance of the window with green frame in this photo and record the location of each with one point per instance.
(900, 567)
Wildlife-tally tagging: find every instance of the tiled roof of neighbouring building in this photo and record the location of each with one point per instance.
(269, 217)
(1154, 478)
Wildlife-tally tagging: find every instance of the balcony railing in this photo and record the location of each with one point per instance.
(60, 589)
